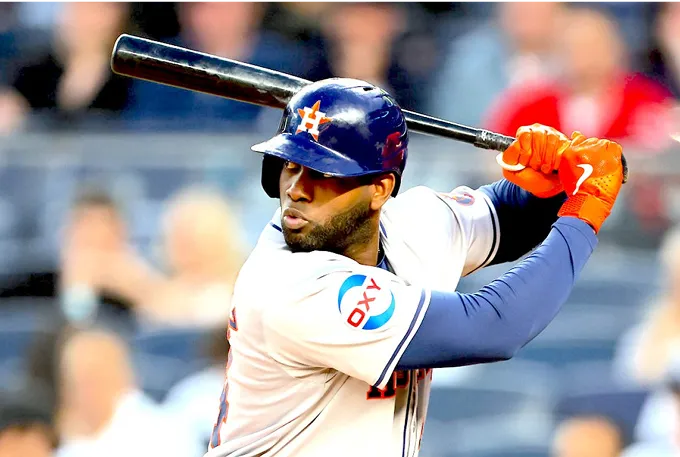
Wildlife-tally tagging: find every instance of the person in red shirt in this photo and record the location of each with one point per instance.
(594, 94)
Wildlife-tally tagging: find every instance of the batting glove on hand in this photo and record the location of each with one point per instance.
(533, 158)
(591, 173)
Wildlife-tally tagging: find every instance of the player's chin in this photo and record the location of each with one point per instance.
(296, 240)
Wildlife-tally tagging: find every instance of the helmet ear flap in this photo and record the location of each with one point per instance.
(271, 173)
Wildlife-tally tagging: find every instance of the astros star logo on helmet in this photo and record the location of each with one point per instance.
(312, 118)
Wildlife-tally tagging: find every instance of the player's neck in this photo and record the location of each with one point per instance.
(365, 253)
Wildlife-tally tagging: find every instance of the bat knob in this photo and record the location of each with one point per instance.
(624, 164)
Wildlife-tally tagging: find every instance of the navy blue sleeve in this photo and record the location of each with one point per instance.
(523, 218)
(494, 323)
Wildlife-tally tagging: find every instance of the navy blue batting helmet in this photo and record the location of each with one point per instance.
(339, 127)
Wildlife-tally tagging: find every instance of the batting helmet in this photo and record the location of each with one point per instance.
(339, 127)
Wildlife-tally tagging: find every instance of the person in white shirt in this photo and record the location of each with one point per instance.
(103, 412)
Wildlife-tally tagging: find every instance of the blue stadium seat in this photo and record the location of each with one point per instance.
(16, 338)
(187, 345)
(491, 407)
(614, 293)
(466, 402)
(560, 352)
(491, 435)
(157, 374)
(520, 451)
(11, 374)
(493, 389)
(590, 390)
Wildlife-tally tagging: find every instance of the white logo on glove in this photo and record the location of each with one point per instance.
(587, 171)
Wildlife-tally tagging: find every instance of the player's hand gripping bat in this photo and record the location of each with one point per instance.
(188, 69)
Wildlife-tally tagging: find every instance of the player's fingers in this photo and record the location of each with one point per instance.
(577, 138)
(524, 139)
(552, 143)
(563, 145)
(511, 155)
(537, 149)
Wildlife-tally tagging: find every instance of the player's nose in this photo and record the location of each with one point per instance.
(300, 186)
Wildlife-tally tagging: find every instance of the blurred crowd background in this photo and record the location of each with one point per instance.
(127, 208)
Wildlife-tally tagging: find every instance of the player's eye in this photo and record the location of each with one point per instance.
(288, 165)
(317, 175)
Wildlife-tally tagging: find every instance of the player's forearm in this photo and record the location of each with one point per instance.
(524, 219)
(494, 323)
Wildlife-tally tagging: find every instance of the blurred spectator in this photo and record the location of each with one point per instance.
(73, 81)
(595, 94)
(8, 39)
(587, 437)
(662, 62)
(155, 20)
(302, 22)
(516, 47)
(104, 413)
(376, 42)
(225, 29)
(94, 226)
(204, 253)
(647, 352)
(194, 400)
(26, 428)
(42, 364)
(670, 446)
(95, 231)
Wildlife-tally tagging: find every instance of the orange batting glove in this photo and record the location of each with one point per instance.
(591, 172)
(539, 149)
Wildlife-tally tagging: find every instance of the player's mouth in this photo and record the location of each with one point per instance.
(293, 219)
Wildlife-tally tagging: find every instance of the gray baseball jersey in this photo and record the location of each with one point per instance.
(315, 337)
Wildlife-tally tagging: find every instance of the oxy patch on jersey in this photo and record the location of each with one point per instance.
(364, 304)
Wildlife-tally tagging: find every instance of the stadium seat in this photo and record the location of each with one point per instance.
(157, 374)
(495, 406)
(614, 293)
(186, 345)
(11, 374)
(494, 389)
(16, 337)
(474, 402)
(492, 435)
(588, 389)
(521, 451)
(560, 352)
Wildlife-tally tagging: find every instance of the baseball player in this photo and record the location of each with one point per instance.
(349, 299)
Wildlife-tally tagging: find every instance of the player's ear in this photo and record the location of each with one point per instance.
(383, 186)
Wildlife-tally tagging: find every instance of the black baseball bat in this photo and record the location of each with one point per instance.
(188, 69)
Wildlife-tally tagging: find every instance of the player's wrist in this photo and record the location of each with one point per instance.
(589, 208)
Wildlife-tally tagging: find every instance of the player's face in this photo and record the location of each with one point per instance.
(323, 213)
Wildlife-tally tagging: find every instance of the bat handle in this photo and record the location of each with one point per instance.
(497, 142)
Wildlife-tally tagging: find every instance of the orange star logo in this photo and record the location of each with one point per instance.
(312, 118)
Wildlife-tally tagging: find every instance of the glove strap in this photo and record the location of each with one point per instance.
(588, 208)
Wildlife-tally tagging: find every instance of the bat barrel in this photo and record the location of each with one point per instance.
(184, 68)
(439, 127)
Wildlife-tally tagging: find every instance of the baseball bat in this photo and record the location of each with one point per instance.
(189, 69)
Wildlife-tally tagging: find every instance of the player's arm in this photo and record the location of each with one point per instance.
(494, 323)
(526, 202)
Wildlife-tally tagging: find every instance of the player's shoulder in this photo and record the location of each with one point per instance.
(430, 205)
